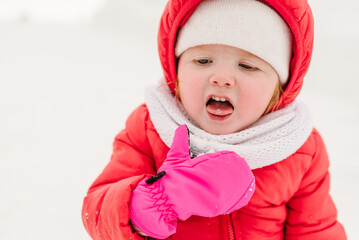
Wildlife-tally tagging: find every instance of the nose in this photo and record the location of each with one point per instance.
(222, 80)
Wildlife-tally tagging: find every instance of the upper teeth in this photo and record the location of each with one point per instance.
(219, 99)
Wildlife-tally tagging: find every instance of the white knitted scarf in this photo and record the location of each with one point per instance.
(271, 139)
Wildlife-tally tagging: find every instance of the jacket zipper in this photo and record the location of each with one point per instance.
(230, 228)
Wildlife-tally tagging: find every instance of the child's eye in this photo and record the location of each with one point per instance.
(203, 61)
(246, 66)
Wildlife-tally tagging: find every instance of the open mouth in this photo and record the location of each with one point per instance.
(219, 108)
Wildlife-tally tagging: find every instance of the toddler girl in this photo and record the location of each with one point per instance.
(221, 149)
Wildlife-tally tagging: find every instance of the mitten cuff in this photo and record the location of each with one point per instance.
(151, 210)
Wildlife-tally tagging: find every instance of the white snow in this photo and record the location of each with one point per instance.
(68, 85)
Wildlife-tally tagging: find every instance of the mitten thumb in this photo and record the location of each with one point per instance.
(179, 151)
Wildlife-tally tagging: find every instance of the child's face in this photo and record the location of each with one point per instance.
(209, 73)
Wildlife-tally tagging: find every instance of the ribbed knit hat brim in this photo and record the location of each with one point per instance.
(246, 24)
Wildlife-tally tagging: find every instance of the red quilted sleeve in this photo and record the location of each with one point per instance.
(105, 210)
(311, 212)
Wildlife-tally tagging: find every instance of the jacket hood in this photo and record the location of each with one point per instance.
(296, 13)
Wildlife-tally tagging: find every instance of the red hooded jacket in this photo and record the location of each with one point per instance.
(292, 198)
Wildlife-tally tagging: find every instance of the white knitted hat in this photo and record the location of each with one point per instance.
(246, 24)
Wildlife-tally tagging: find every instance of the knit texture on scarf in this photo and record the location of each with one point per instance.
(271, 139)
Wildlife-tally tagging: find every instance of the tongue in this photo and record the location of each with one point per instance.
(219, 108)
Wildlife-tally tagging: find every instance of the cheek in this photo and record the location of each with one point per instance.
(189, 92)
(257, 96)
(190, 85)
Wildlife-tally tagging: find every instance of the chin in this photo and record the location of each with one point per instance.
(220, 130)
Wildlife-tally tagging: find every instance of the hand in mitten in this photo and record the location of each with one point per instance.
(208, 185)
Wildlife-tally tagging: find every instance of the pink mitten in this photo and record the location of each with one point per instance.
(208, 185)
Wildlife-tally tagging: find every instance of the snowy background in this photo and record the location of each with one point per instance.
(71, 71)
